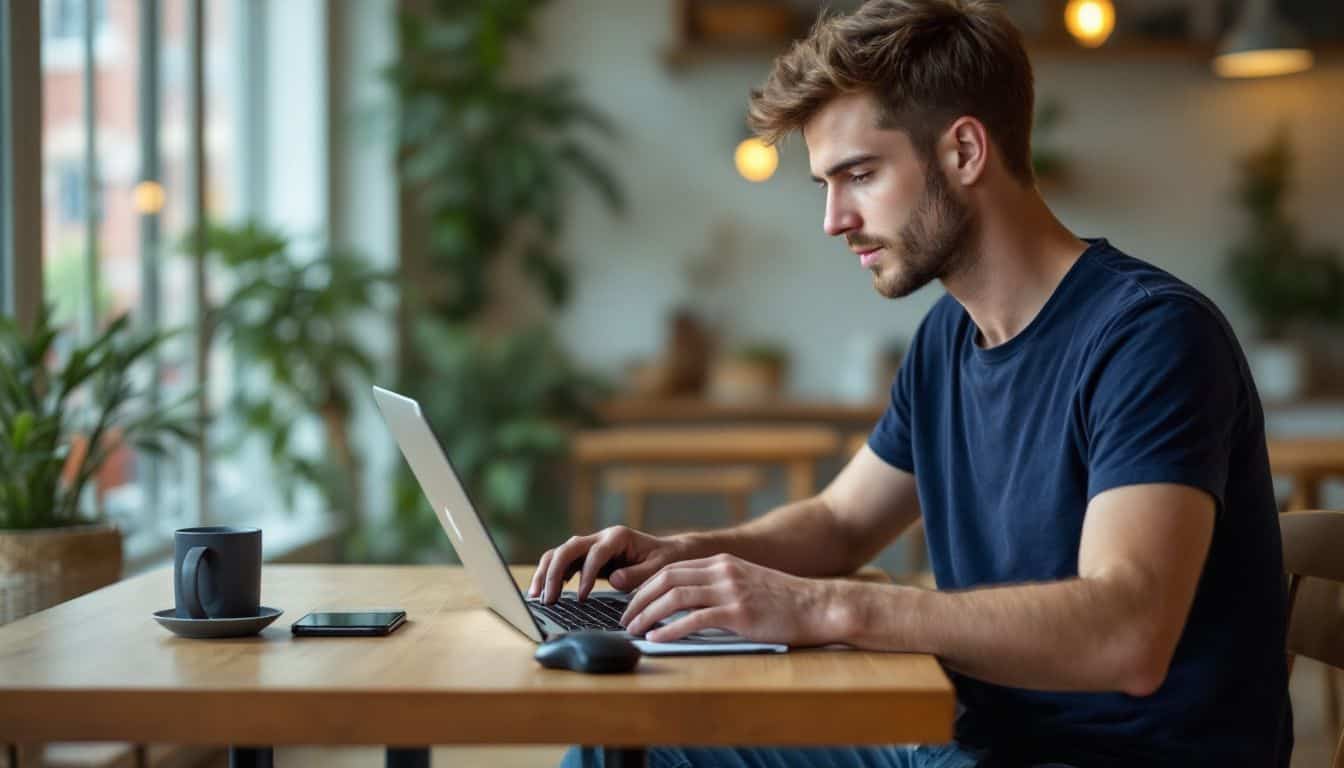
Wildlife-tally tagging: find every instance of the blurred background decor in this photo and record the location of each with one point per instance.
(63, 414)
(491, 162)
(1289, 286)
(682, 366)
(750, 373)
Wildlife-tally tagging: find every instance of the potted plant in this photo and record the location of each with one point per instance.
(752, 372)
(61, 417)
(492, 160)
(290, 321)
(1287, 285)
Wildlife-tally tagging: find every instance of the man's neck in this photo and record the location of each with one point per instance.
(1021, 253)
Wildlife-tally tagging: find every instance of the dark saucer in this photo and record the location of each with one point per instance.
(206, 628)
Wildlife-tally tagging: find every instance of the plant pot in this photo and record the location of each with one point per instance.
(1280, 369)
(46, 566)
(739, 380)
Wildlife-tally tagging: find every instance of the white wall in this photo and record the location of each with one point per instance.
(1152, 146)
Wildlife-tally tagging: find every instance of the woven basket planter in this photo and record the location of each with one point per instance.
(43, 567)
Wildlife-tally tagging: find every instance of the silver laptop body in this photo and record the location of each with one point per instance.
(481, 558)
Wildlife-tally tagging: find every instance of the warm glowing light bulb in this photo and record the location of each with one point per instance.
(756, 160)
(1090, 21)
(148, 197)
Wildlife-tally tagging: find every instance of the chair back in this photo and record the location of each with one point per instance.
(1313, 556)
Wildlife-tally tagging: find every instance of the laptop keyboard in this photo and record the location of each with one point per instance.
(593, 613)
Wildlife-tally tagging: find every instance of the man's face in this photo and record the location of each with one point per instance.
(900, 217)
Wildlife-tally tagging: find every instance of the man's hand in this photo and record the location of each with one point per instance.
(727, 592)
(623, 555)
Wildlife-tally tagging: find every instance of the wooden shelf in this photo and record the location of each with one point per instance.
(691, 47)
(731, 28)
(681, 56)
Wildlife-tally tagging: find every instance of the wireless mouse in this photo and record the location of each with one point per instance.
(591, 652)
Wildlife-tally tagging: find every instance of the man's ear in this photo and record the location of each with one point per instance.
(963, 151)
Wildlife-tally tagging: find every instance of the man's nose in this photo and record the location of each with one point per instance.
(839, 218)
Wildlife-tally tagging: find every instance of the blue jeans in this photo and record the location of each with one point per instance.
(939, 756)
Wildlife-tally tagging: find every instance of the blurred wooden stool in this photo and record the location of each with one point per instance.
(734, 484)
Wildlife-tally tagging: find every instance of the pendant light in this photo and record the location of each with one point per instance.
(1261, 44)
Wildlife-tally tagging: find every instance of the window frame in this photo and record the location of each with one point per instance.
(20, 160)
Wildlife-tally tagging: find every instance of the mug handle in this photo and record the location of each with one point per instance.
(191, 594)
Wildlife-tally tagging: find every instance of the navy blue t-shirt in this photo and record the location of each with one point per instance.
(1126, 376)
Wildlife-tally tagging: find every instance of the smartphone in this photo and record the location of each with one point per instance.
(349, 623)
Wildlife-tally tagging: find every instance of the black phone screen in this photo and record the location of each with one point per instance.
(353, 622)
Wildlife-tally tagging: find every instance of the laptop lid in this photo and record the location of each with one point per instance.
(472, 542)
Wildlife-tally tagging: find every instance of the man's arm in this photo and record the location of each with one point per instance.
(1115, 627)
(832, 534)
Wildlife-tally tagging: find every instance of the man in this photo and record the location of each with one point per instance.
(1078, 427)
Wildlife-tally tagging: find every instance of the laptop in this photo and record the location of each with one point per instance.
(488, 570)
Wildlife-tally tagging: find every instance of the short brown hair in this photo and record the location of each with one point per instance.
(926, 62)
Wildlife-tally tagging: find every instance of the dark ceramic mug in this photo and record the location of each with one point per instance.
(217, 572)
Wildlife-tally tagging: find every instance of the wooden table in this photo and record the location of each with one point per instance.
(1307, 461)
(99, 668)
(796, 448)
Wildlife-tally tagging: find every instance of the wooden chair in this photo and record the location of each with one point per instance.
(734, 484)
(1312, 546)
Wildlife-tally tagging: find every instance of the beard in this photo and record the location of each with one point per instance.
(931, 245)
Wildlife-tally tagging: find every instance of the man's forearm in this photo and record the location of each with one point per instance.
(802, 538)
(1080, 634)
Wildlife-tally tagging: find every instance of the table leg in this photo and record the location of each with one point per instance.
(802, 480)
(251, 757)
(582, 513)
(614, 757)
(407, 757)
(1306, 493)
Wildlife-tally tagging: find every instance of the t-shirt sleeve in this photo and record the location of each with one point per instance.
(891, 438)
(1163, 399)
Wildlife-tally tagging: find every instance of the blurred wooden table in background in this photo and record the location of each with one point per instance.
(634, 411)
(1307, 461)
(796, 448)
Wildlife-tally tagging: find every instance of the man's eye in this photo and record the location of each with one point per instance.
(859, 178)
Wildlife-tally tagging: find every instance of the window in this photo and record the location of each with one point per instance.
(64, 19)
(6, 268)
(114, 120)
(69, 193)
(106, 128)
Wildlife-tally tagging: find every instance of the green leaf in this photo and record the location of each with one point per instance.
(23, 424)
